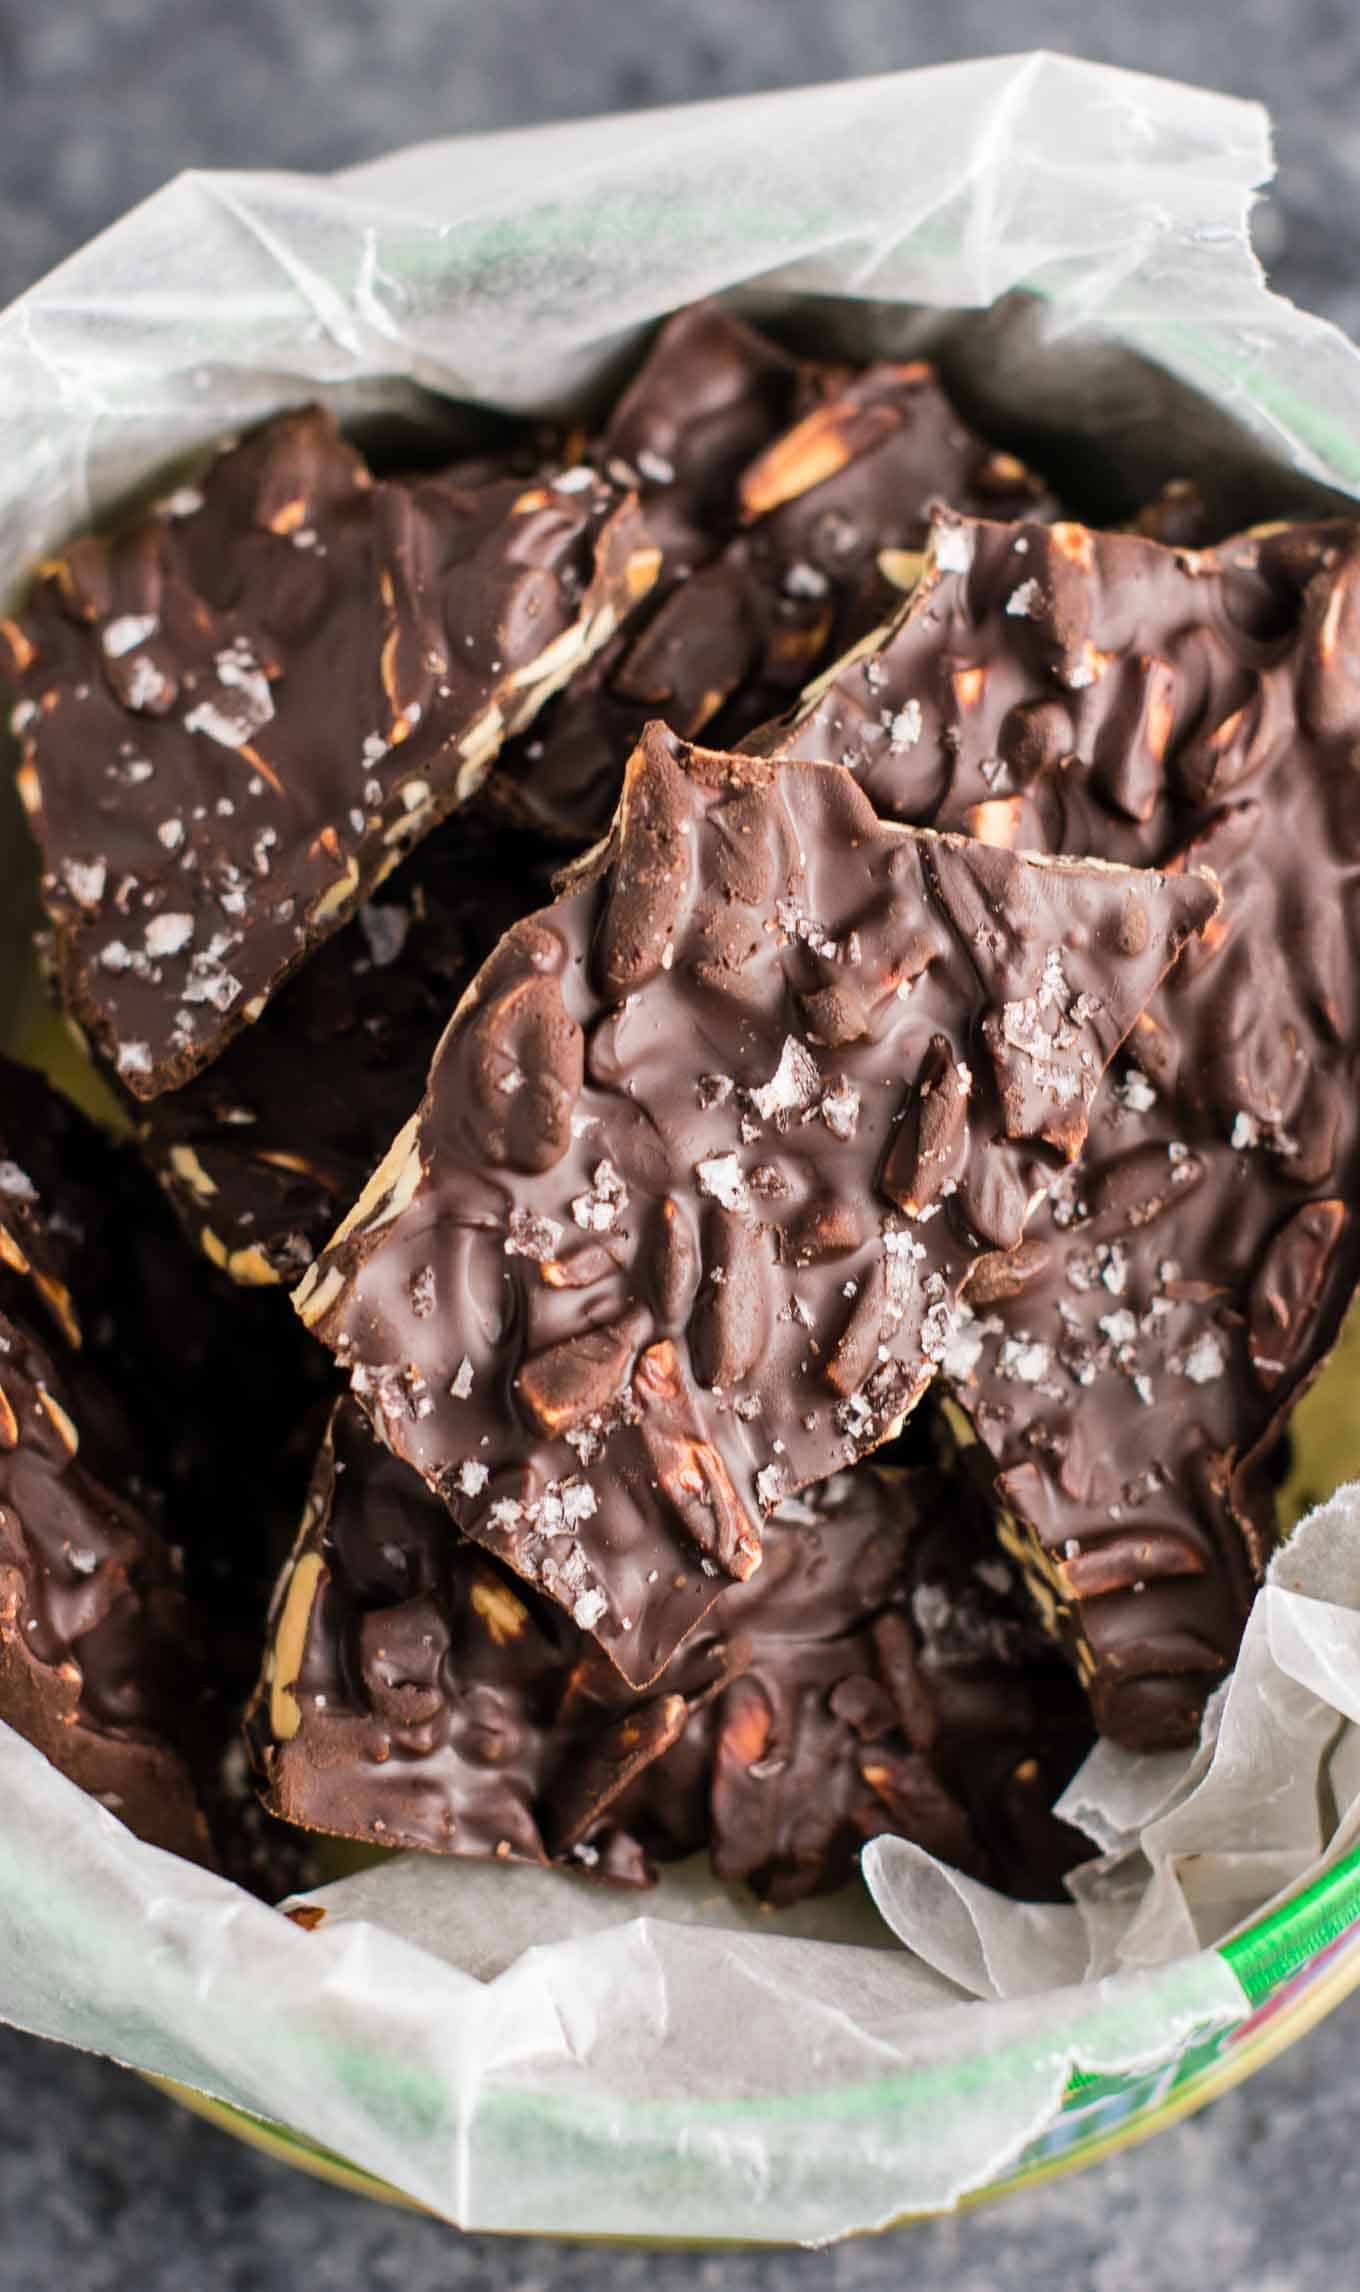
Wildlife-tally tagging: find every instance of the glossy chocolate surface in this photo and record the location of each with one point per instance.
(879, 1673)
(773, 487)
(707, 1155)
(1065, 690)
(238, 716)
(263, 1154)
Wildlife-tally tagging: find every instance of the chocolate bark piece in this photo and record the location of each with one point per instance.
(161, 1367)
(1130, 1369)
(418, 1695)
(705, 1157)
(408, 1688)
(1057, 689)
(709, 396)
(263, 1153)
(282, 689)
(938, 1712)
(826, 471)
(98, 1662)
(856, 478)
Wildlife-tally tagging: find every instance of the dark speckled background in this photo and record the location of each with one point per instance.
(104, 2186)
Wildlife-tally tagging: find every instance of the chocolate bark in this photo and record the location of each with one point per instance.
(706, 1156)
(239, 715)
(1129, 1370)
(709, 396)
(262, 1155)
(191, 1402)
(99, 1665)
(940, 1715)
(415, 1694)
(773, 487)
(878, 1674)
(100, 1661)
(857, 477)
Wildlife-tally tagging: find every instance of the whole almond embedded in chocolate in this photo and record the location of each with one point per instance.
(854, 478)
(709, 395)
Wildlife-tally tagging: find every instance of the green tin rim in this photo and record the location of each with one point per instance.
(1308, 1945)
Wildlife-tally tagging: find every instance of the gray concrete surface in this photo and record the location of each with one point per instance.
(104, 2186)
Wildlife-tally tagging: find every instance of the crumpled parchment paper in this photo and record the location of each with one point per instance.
(512, 2047)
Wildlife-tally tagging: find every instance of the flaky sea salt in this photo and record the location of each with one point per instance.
(794, 1084)
(953, 549)
(601, 1208)
(721, 1178)
(125, 632)
(168, 934)
(1205, 1360)
(531, 1236)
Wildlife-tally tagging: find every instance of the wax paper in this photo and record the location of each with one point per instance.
(515, 2048)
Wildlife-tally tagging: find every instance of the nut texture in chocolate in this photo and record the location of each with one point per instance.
(772, 486)
(709, 396)
(856, 477)
(195, 1406)
(1131, 1366)
(880, 1675)
(707, 399)
(98, 1661)
(263, 1154)
(707, 1153)
(238, 716)
(100, 1665)
(877, 1674)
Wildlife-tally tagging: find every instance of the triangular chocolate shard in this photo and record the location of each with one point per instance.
(286, 679)
(698, 1065)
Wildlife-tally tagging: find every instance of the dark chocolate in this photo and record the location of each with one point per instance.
(707, 1153)
(192, 1403)
(99, 1666)
(933, 1710)
(709, 396)
(238, 716)
(262, 1155)
(878, 1674)
(856, 478)
(826, 472)
(1129, 1370)
(100, 1661)
(416, 1694)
